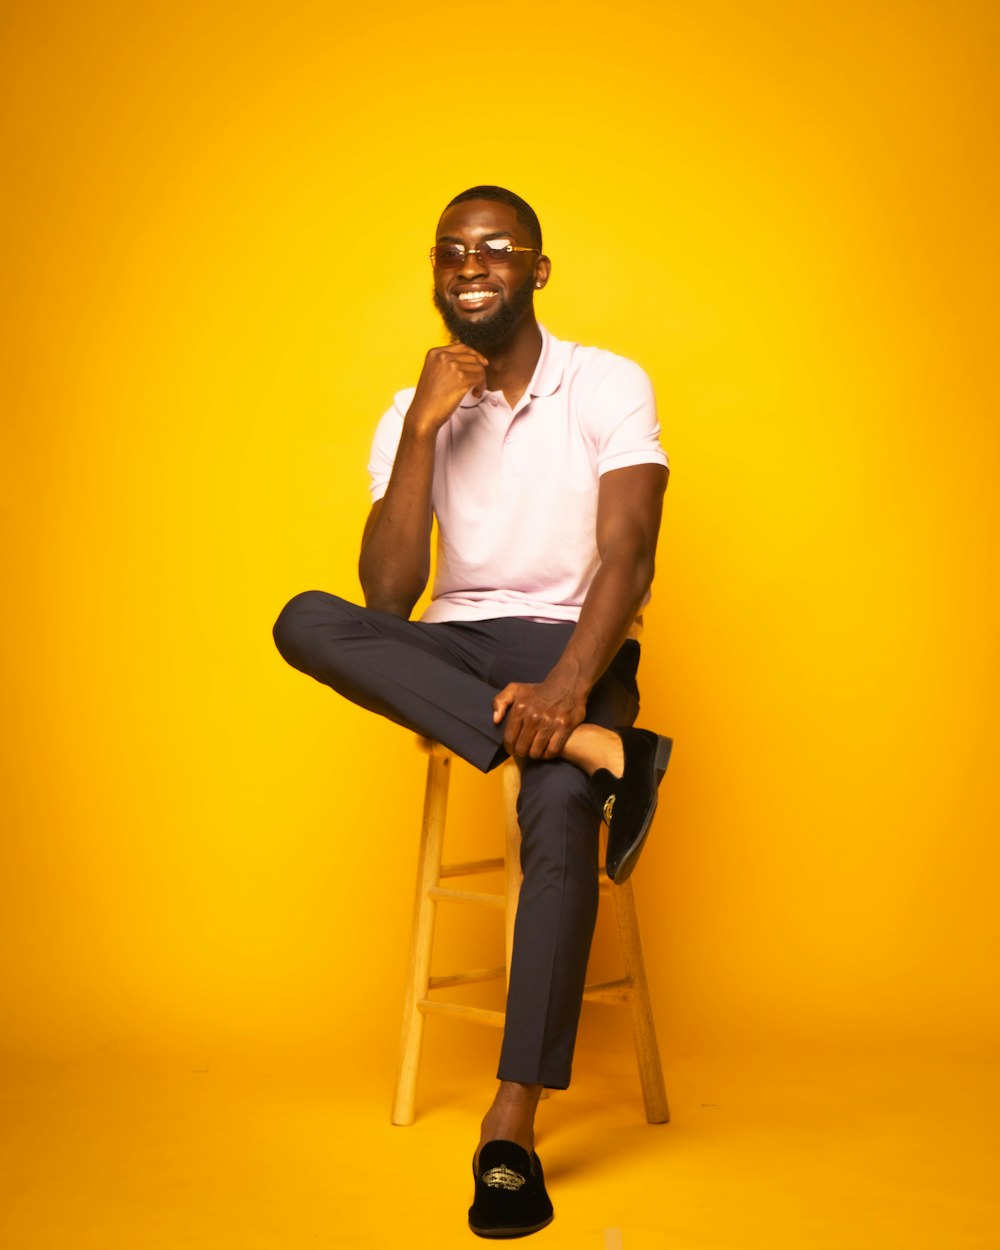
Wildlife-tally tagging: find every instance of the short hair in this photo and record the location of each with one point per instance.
(525, 213)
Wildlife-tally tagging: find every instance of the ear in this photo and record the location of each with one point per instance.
(543, 268)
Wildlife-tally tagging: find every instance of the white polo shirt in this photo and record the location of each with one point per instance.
(515, 492)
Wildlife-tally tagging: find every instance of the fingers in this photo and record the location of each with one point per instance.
(535, 728)
(526, 737)
(473, 368)
(456, 356)
(544, 739)
(471, 365)
(512, 700)
(541, 742)
(502, 702)
(555, 742)
(463, 350)
(532, 733)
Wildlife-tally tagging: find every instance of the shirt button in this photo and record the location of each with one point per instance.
(494, 401)
(509, 438)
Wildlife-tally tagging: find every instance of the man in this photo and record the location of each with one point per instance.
(541, 462)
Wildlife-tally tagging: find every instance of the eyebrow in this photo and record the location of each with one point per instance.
(497, 234)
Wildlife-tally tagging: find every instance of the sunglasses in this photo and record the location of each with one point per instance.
(493, 252)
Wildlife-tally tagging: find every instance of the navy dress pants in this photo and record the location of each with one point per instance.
(439, 680)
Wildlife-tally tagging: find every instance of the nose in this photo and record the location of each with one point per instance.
(472, 266)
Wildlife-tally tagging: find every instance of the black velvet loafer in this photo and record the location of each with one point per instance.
(510, 1196)
(628, 802)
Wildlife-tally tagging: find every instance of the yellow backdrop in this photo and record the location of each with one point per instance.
(215, 221)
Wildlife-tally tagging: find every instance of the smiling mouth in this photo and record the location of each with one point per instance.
(476, 299)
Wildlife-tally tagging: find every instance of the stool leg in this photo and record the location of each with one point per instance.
(654, 1095)
(422, 937)
(512, 852)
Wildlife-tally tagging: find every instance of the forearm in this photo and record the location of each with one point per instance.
(630, 504)
(606, 617)
(395, 550)
(542, 717)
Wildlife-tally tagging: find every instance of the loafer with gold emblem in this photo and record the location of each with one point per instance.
(510, 1199)
(628, 803)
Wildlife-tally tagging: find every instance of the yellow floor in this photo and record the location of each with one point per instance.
(808, 1149)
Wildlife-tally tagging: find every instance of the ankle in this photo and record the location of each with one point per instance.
(513, 1093)
(591, 747)
(511, 1116)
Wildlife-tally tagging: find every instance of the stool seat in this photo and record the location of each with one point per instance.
(631, 990)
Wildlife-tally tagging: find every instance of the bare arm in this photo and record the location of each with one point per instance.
(541, 717)
(396, 545)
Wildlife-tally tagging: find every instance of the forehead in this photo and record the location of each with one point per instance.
(477, 219)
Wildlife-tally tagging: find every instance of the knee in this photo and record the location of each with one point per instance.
(553, 782)
(559, 821)
(296, 620)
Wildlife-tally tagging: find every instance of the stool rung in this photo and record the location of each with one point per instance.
(471, 868)
(440, 895)
(610, 991)
(476, 1015)
(466, 978)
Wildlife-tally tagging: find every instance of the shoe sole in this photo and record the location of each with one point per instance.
(497, 1233)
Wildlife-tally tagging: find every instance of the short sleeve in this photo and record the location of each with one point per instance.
(386, 441)
(621, 418)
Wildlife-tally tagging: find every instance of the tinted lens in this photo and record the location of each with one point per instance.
(447, 256)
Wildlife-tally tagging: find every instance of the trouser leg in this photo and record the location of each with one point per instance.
(557, 909)
(428, 678)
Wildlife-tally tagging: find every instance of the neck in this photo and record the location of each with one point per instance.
(513, 361)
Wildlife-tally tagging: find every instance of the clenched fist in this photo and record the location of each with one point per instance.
(448, 373)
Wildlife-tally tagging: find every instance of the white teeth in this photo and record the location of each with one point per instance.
(470, 296)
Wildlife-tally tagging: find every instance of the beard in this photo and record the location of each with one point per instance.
(489, 332)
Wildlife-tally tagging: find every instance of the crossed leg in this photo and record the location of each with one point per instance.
(439, 680)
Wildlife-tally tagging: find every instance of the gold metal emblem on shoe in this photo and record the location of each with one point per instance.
(503, 1177)
(609, 804)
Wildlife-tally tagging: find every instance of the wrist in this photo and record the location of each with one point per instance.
(420, 429)
(423, 425)
(570, 680)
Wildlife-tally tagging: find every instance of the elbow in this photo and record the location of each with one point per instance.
(637, 565)
(387, 599)
(395, 597)
(633, 579)
(391, 607)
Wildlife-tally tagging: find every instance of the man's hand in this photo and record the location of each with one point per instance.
(540, 718)
(448, 373)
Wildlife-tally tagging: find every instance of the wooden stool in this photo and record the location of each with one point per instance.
(631, 990)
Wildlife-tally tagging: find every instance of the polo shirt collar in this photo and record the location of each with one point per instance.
(549, 369)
